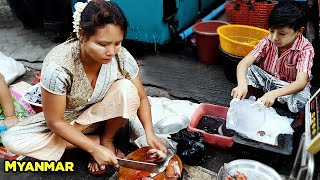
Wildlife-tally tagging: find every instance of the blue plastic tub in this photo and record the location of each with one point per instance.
(157, 21)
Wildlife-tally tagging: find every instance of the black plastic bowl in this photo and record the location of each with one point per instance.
(230, 63)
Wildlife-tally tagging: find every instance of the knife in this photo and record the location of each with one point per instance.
(143, 166)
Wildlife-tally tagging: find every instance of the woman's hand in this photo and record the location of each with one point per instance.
(155, 155)
(154, 142)
(104, 157)
(268, 99)
(158, 152)
(239, 92)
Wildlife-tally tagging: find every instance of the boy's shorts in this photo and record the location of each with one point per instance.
(261, 79)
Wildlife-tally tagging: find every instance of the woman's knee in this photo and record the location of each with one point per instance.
(127, 92)
(126, 87)
(11, 143)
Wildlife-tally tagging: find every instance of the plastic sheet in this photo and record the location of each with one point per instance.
(253, 120)
(10, 68)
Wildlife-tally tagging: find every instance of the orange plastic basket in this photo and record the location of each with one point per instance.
(239, 40)
(255, 14)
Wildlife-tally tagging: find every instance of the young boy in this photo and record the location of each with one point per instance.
(285, 59)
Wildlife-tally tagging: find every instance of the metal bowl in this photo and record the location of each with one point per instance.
(171, 124)
(254, 170)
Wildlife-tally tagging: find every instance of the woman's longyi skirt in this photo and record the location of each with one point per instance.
(31, 137)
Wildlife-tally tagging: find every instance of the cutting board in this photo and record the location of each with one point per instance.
(141, 155)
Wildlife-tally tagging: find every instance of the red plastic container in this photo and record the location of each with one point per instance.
(211, 110)
(36, 79)
(207, 40)
(36, 109)
(242, 13)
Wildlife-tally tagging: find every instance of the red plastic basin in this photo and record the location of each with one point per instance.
(36, 109)
(211, 110)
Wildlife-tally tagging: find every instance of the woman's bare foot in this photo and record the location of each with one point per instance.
(116, 151)
(93, 166)
(119, 153)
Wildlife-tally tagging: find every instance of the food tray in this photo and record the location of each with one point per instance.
(254, 170)
(284, 143)
(33, 95)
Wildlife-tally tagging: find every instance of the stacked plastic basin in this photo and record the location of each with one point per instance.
(237, 41)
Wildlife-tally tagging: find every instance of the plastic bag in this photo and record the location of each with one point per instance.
(253, 120)
(22, 108)
(190, 146)
(243, 115)
(10, 68)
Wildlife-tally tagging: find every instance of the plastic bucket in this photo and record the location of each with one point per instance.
(230, 63)
(207, 40)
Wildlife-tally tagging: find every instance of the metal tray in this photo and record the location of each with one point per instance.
(254, 170)
(284, 143)
(171, 124)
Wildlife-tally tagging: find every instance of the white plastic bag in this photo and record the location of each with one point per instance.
(255, 121)
(10, 68)
(242, 115)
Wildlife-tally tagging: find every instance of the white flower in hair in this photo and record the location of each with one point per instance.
(79, 7)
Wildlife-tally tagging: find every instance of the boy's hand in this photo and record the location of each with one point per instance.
(10, 121)
(268, 99)
(239, 92)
